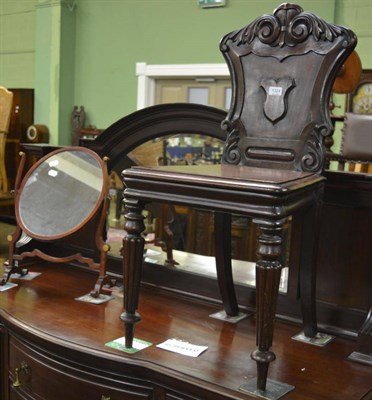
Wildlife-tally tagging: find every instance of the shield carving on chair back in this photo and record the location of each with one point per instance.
(282, 68)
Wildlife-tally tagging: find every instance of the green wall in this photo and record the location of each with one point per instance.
(156, 32)
(17, 43)
(357, 14)
(84, 52)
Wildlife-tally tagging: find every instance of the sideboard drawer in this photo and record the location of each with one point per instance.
(43, 377)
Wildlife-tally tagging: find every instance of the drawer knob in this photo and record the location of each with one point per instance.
(105, 398)
(23, 368)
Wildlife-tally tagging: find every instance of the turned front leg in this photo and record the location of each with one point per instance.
(133, 245)
(268, 268)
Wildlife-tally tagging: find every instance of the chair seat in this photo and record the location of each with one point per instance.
(249, 190)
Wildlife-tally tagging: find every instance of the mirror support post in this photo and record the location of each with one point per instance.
(103, 247)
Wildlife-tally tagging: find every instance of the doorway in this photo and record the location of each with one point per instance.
(206, 91)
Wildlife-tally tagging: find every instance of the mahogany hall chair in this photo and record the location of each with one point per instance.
(282, 68)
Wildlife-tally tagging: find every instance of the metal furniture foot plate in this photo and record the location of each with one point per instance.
(227, 318)
(274, 389)
(321, 339)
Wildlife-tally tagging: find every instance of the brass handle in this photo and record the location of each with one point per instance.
(105, 398)
(24, 368)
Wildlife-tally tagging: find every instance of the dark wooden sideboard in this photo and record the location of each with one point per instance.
(58, 346)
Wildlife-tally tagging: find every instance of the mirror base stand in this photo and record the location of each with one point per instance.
(10, 270)
(103, 286)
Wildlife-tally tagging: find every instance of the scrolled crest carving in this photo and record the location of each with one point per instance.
(231, 153)
(313, 157)
(288, 26)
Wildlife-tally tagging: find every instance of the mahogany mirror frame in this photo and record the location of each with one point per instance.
(24, 234)
(84, 220)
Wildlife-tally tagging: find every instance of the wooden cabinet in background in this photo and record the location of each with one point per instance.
(22, 117)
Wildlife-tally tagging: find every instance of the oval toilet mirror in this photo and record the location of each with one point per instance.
(60, 194)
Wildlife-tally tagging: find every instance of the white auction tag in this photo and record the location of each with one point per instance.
(275, 91)
(181, 347)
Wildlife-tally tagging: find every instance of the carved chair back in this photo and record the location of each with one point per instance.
(282, 68)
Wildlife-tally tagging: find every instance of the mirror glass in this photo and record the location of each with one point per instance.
(60, 193)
